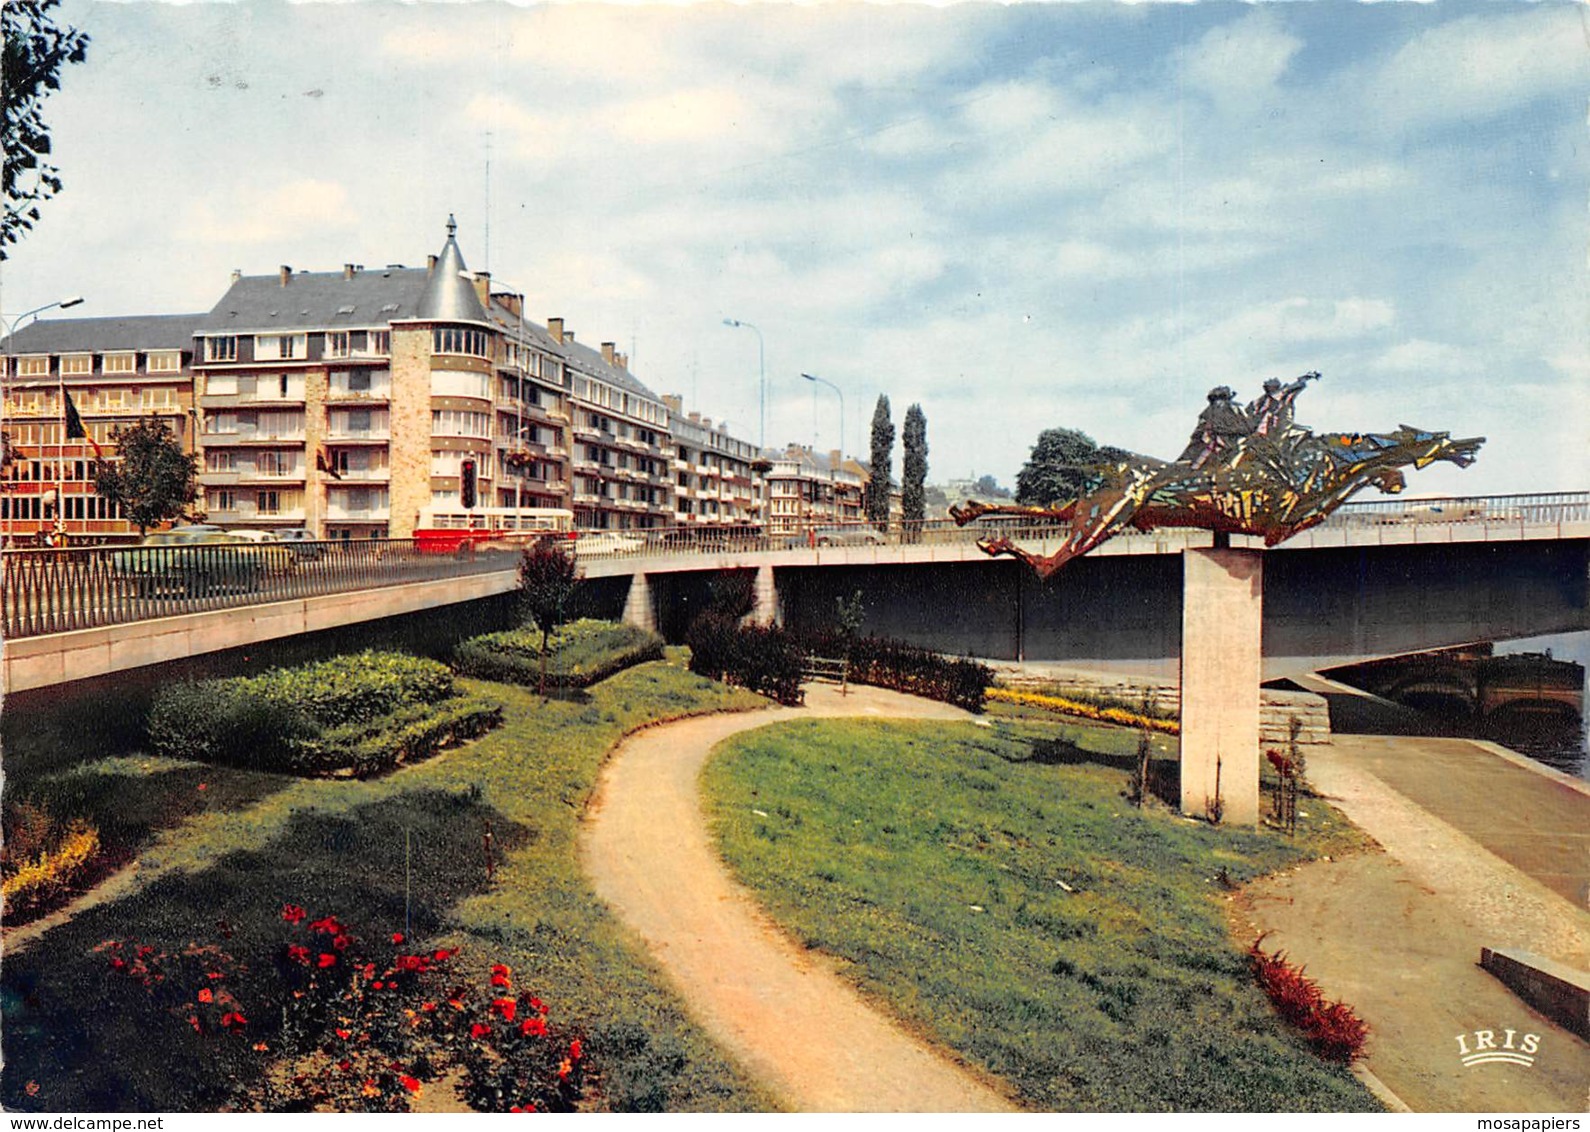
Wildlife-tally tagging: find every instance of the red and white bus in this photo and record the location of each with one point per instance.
(447, 531)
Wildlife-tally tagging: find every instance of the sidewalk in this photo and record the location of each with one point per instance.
(1480, 851)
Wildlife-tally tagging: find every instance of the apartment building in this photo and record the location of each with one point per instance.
(621, 455)
(807, 489)
(114, 370)
(716, 476)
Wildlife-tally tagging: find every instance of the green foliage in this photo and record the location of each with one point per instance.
(988, 487)
(354, 714)
(1062, 466)
(848, 616)
(913, 469)
(876, 500)
(1022, 912)
(905, 668)
(760, 658)
(36, 51)
(151, 477)
(578, 654)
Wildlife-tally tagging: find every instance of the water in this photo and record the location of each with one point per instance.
(1565, 748)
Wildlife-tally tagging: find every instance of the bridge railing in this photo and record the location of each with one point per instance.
(58, 591)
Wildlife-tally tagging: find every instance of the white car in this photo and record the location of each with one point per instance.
(593, 544)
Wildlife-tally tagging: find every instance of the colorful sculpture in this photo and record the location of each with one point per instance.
(1249, 471)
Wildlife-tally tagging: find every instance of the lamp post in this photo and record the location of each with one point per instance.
(833, 470)
(761, 371)
(11, 327)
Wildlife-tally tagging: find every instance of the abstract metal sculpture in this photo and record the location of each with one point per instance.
(1249, 471)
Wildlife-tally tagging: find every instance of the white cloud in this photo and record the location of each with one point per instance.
(1421, 357)
(276, 215)
(1241, 60)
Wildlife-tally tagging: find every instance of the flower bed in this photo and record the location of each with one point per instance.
(579, 654)
(1332, 1028)
(357, 715)
(41, 858)
(326, 1019)
(1102, 713)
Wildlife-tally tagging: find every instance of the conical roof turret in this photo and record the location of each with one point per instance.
(449, 294)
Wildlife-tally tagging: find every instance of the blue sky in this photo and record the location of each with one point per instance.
(1020, 216)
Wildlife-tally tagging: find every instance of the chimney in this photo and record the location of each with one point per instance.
(286, 274)
(237, 275)
(555, 329)
(675, 403)
(430, 266)
(482, 281)
(607, 353)
(833, 458)
(512, 303)
(695, 418)
(623, 362)
(347, 270)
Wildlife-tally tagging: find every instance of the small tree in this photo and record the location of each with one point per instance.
(1062, 466)
(876, 500)
(913, 469)
(36, 51)
(151, 477)
(548, 577)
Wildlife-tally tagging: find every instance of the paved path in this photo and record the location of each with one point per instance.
(780, 1008)
(1398, 934)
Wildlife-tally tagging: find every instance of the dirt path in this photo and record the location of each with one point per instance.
(779, 1008)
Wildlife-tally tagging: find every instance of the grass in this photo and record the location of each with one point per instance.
(994, 888)
(217, 874)
(578, 654)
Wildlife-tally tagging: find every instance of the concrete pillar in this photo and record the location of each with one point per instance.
(1222, 619)
(765, 611)
(639, 608)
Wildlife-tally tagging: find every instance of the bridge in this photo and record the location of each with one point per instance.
(1376, 579)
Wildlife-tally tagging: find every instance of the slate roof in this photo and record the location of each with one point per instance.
(97, 335)
(316, 299)
(449, 296)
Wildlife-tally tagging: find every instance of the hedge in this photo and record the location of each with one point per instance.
(353, 714)
(906, 668)
(579, 654)
(760, 658)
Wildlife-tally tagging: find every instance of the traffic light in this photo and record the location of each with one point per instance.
(467, 483)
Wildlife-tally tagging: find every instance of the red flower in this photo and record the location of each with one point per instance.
(536, 1027)
(344, 1034)
(206, 994)
(565, 1067)
(298, 953)
(576, 1050)
(193, 1021)
(479, 1030)
(328, 925)
(344, 1065)
(233, 1021)
(427, 1006)
(292, 913)
(501, 975)
(379, 986)
(416, 963)
(443, 954)
(117, 962)
(527, 1108)
(410, 1084)
(507, 1007)
(204, 786)
(341, 942)
(327, 960)
(538, 1006)
(369, 970)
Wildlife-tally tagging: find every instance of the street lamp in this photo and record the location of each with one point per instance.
(833, 469)
(11, 327)
(761, 369)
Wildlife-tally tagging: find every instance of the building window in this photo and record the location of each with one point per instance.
(452, 422)
(158, 397)
(165, 361)
(280, 347)
(457, 340)
(33, 367)
(77, 363)
(337, 344)
(221, 349)
(121, 363)
(380, 341)
(222, 499)
(274, 464)
(358, 381)
(268, 502)
(220, 460)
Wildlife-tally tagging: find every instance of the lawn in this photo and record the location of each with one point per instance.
(990, 884)
(408, 852)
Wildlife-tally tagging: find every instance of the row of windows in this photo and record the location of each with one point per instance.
(76, 507)
(271, 501)
(357, 343)
(452, 422)
(620, 401)
(42, 402)
(82, 365)
(459, 340)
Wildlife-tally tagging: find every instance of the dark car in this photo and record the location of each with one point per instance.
(197, 560)
(849, 534)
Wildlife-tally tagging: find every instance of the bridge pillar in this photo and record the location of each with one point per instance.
(1222, 620)
(765, 610)
(640, 608)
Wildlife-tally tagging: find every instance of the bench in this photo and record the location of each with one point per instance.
(822, 668)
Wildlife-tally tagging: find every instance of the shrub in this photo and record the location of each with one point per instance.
(1332, 1028)
(760, 658)
(581, 654)
(907, 668)
(324, 718)
(328, 1019)
(46, 860)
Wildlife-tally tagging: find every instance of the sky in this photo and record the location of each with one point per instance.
(1020, 216)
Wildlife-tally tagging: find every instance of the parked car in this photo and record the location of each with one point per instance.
(850, 534)
(196, 560)
(592, 544)
(302, 542)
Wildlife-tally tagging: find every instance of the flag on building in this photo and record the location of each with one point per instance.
(324, 464)
(74, 426)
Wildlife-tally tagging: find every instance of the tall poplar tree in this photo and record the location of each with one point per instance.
(913, 469)
(876, 501)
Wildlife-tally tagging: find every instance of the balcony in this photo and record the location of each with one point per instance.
(362, 476)
(218, 479)
(359, 436)
(338, 514)
(252, 515)
(232, 439)
(376, 396)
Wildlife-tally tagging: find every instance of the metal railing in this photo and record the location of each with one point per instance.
(56, 591)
